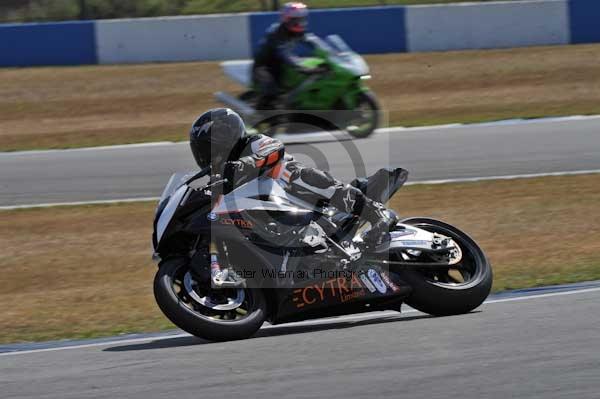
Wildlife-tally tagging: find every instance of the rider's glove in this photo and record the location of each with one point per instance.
(233, 168)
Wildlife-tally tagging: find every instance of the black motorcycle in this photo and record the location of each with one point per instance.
(256, 253)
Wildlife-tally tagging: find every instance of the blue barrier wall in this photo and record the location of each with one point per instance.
(367, 30)
(584, 19)
(64, 43)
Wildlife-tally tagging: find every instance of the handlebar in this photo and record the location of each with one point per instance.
(198, 175)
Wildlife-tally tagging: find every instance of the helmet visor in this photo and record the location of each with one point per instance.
(202, 153)
(297, 24)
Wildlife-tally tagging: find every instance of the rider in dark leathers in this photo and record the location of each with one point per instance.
(277, 50)
(218, 138)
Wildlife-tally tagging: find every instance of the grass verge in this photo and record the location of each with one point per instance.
(102, 105)
(210, 6)
(33, 11)
(85, 271)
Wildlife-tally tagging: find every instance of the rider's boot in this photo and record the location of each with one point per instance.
(382, 221)
(354, 201)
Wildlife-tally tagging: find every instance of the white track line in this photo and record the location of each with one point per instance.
(77, 203)
(537, 296)
(506, 177)
(443, 181)
(305, 323)
(99, 148)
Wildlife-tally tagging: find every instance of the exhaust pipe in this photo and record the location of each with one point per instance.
(236, 104)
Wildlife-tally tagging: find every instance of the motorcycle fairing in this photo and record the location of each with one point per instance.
(251, 195)
(266, 194)
(167, 214)
(240, 71)
(338, 295)
(249, 198)
(340, 90)
(172, 196)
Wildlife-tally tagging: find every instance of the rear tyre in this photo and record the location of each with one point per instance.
(439, 293)
(175, 301)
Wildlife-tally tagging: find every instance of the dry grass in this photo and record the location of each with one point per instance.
(86, 271)
(77, 271)
(470, 86)
(99, 105)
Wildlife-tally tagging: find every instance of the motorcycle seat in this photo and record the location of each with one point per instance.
(239, 71)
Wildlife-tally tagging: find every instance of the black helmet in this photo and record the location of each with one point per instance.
(214, 135)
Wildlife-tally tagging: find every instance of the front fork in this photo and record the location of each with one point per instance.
(220, 277)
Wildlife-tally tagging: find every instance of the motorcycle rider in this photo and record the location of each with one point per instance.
(218, 138)
(276, 51)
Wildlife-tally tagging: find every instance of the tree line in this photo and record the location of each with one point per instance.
(60, 10)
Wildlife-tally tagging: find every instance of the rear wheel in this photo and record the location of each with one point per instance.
(449, 291)
(213, 314)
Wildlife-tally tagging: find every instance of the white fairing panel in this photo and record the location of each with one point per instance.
(241, 198)
(239, 71)
(169, 211)
(175, 181)
(410, 237)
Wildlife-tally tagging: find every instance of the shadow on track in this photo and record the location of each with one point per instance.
(274, 331)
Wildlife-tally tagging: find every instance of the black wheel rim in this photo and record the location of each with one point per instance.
(244, 310)
(465, 274)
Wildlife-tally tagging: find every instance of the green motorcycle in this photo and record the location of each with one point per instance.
(338, 97)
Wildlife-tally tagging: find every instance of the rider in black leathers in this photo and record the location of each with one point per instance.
(218, 138)
(276, 50)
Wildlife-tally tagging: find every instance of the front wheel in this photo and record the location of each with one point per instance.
(213, 314)
(365, 116)
(450, 291)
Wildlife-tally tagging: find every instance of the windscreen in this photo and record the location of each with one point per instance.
(338, 44)
(343, 55)
(319, 43)
(174, 183)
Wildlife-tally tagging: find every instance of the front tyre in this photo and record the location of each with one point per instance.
(450, 291)
(215, 315)
(365, 115)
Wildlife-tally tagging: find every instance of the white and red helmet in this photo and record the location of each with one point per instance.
(294, 17)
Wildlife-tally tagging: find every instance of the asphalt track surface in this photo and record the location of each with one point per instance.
(542, 346)
(428, 153)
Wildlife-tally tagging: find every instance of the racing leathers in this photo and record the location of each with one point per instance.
(276, 51)
(257, 154)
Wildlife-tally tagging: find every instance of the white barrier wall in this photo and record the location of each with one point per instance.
(214, 37)
(487, 25)
(394, 29)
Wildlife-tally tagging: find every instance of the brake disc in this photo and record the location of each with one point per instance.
(232, 303)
